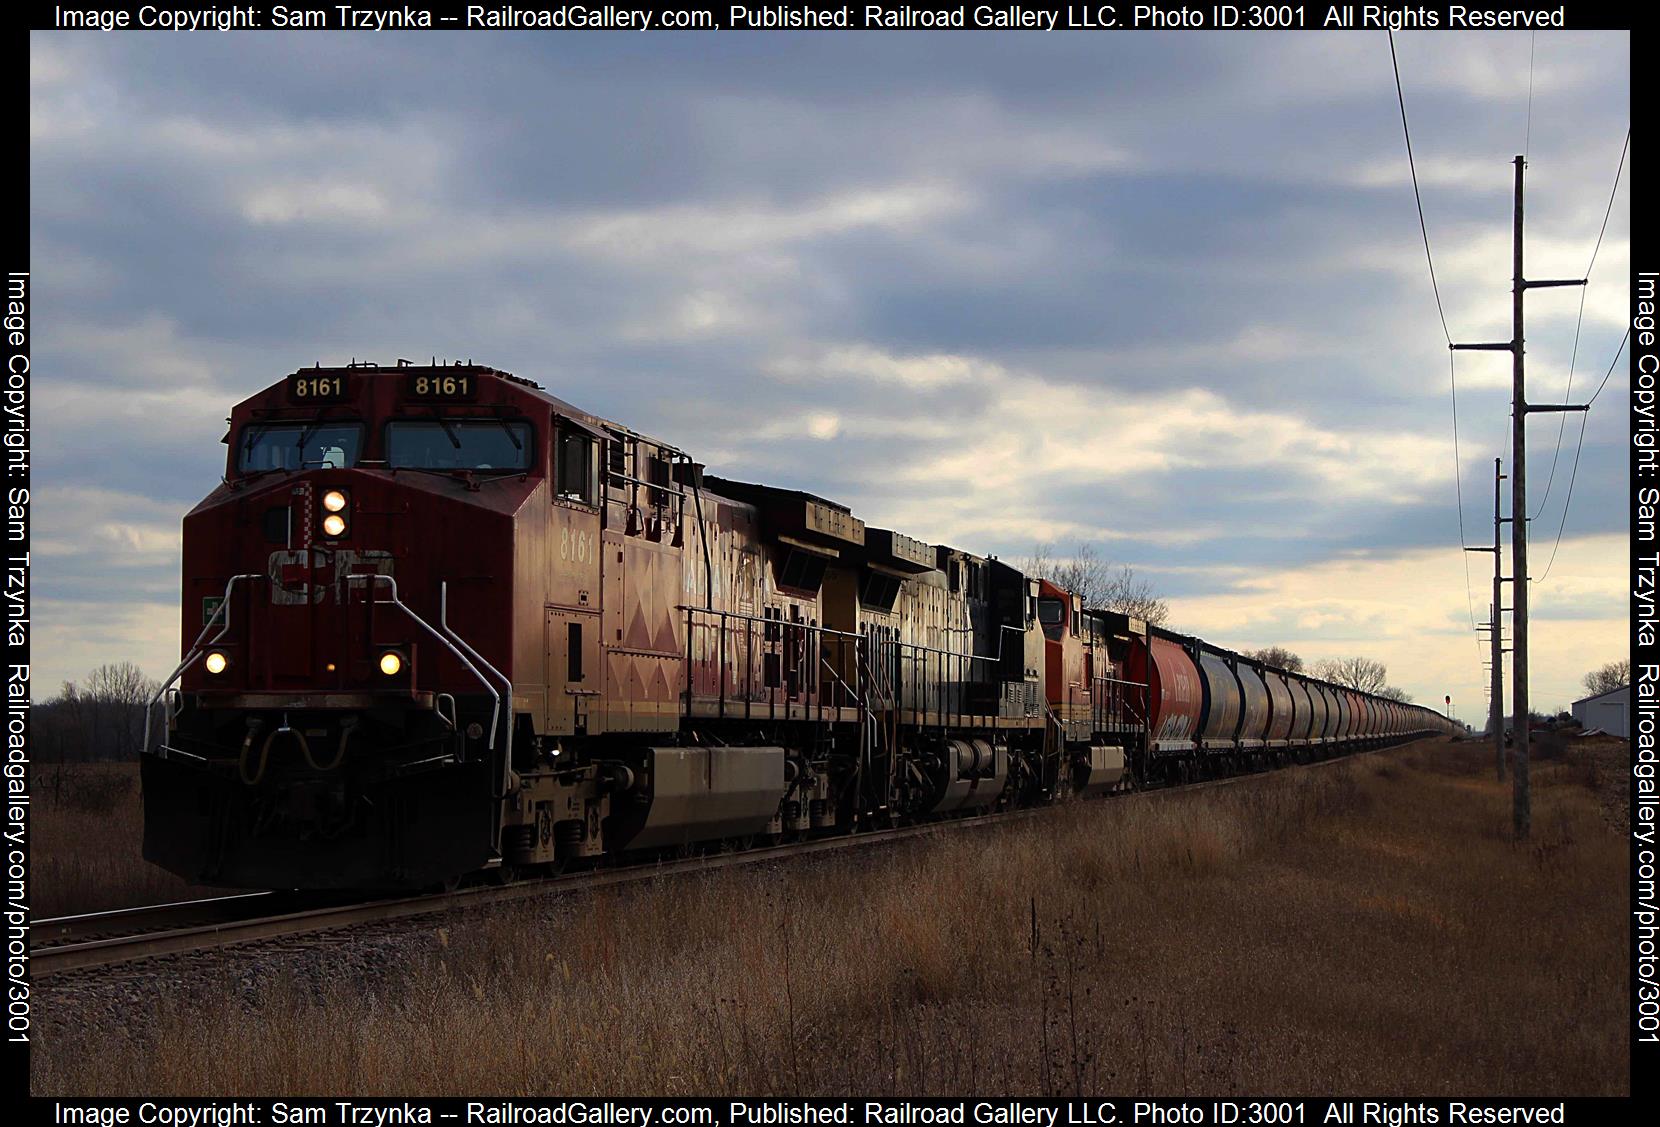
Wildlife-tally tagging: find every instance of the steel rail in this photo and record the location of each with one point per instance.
(88, 953)
(72, 929)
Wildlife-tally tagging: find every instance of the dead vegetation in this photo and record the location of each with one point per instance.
(87, 843)
(1366, 927)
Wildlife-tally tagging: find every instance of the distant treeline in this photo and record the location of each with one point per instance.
(101, 718)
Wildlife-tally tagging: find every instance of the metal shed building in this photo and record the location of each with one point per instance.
(1610, 711)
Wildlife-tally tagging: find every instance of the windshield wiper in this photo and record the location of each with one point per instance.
(309, 431)
(242, 469)
(449, 431)
(511, 437)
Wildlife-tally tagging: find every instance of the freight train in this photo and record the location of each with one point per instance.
(438, 622)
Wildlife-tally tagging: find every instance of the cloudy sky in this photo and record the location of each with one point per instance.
(1161, 292)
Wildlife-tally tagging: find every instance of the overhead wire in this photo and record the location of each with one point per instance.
(1573, 356)
(1605, 376)
(1440, 309)
(1585, 418)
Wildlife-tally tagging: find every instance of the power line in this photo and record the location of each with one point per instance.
(1458, 487)
(1610, 371)
(1452, 371)
(1573, 356)
(1584, 418)
(1413, 166)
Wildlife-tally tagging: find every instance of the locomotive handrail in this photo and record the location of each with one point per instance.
(933, 650)
(507, 738)
(455, 637)
(1122, 681)
(799, 635)
(495, 712)
(742, 617)
(196, 648)
(855, 697)
(671, 490)
(931, 667)
(1120, 702)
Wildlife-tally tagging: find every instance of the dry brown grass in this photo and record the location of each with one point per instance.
(1364, 928)
(87, 843)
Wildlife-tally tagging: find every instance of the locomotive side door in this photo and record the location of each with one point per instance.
(574, 674)
(571, 614)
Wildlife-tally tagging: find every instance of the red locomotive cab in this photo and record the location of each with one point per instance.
(352, 629)
(350, 528)
(1057, 611)
(1078, 662)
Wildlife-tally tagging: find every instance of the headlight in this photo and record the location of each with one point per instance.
(216, 662)
(334, 525)
(334, 500)
(390, 663)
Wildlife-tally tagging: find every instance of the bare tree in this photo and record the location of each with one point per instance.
(1098, 584)
(102, 719)
(1084, 573)
(119, 683)
(124, 690)
(1129, 594)
(1614, 675)
(1392, 693)
(1362, 674)
(1277, 656)
(77, 736)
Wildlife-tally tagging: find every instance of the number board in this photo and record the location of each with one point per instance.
(317, 387)
(446, 385)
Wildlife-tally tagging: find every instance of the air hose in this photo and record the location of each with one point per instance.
(346, 728)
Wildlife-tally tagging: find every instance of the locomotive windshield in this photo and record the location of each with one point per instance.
(459, 444)
(293, 446)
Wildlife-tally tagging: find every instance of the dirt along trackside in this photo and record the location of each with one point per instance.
(1334, 928)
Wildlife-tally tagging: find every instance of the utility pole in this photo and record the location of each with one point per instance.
(1495, 627)
(1495, 690)
(1519, 411)
(1498, 627)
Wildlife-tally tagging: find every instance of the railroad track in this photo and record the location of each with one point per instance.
(126, 924)
(104, 939)
(68, 930)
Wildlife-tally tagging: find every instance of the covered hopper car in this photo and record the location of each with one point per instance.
(437, 621)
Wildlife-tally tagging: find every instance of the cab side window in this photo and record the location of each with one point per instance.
(575, 471)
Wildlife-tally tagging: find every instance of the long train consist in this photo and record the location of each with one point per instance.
(438, 621)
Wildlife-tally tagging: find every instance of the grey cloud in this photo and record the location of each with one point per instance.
(684, 232)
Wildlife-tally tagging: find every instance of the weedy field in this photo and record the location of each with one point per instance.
(1363, 927)
(86, 843)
